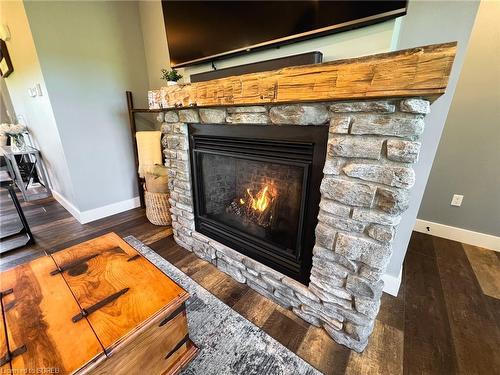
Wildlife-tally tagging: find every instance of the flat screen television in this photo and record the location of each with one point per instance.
(199, 31)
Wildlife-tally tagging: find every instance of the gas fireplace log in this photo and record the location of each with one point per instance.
(263, 218)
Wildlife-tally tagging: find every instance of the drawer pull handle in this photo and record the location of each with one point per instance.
(173, 315)
(132, 258)
(10, 355)
(179, 344)
(72, 264)
(6, 292)
(98, 305)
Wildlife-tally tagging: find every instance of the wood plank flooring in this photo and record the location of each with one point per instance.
(445, 320)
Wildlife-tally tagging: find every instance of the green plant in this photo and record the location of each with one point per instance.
(170, 75)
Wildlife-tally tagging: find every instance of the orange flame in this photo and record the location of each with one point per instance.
(261, 200)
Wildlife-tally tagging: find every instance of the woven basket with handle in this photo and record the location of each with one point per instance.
(157, 208)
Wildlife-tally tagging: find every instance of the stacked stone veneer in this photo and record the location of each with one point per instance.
(364, 192)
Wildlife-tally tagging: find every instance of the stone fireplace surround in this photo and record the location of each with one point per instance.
(374, 107)
(364, 192)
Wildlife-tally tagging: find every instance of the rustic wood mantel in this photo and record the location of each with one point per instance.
(421, 71)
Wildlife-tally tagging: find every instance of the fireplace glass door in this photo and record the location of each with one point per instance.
(257, 197)
(256, 194)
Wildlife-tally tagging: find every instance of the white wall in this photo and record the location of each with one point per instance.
(85, 55)
(90, 54)
(155, 41)
(7, 112)
(468, 158)
(428, 23)
(36, 112)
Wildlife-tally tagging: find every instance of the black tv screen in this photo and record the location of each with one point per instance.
(199, 31)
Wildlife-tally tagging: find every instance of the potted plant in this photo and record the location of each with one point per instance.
(171, 76)
(16, 133)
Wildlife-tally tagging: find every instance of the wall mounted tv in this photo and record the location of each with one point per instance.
(199, 31)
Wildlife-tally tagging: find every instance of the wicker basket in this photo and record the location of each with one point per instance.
(157, 208)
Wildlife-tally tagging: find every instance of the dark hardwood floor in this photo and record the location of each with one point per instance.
(445, 320)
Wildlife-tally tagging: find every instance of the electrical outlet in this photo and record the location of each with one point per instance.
(457, 200)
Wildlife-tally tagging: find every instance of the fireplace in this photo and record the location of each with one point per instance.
(254, 199)
(256, 190)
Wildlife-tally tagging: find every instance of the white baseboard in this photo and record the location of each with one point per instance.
(487, 241)
(66, 204)
(470, 237)
(96, 213)
(108, 210)
(392, 283)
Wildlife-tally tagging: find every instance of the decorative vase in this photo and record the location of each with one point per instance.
(171, 83)
(17, 143)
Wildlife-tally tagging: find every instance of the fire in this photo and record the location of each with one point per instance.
(256, 209)
(261, 200)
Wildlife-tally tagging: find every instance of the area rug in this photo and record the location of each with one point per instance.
(229, 343)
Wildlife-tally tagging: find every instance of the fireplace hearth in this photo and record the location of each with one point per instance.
(256, 190)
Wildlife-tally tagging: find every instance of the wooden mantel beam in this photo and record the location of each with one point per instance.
(422, 71)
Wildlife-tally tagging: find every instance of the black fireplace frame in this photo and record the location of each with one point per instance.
(303, 146)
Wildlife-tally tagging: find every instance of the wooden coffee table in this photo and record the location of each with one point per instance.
(98, 307)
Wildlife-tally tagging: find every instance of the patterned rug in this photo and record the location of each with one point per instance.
(229, 343)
